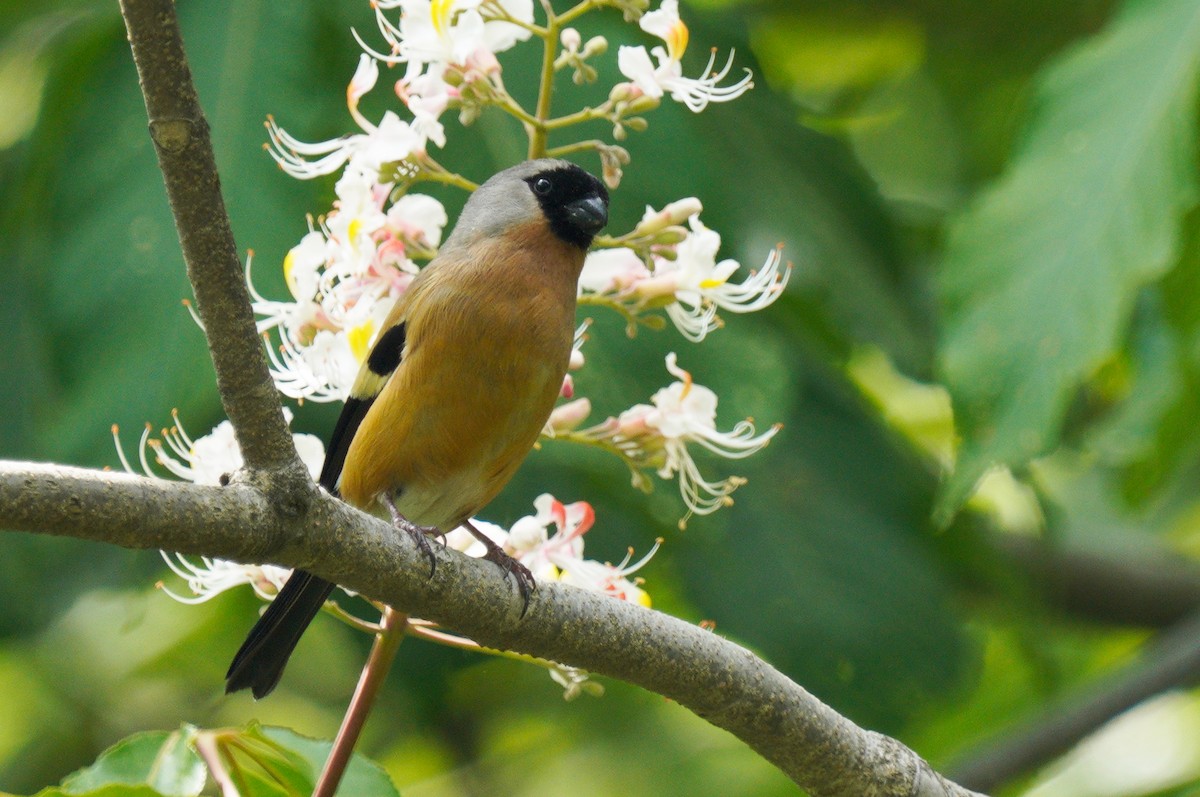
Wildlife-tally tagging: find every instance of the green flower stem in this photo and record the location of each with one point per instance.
(578, 146)
(433, 172)
(496, 13)
(393, 626)
(574, 13)
(514, 109)
(603, 111)
(631, 454)
(538, 131)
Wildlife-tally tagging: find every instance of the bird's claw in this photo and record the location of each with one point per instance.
(495, 554)
(525, 583)
(419, 534)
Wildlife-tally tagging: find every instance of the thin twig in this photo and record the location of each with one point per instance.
(392, 628)
(1144, 587)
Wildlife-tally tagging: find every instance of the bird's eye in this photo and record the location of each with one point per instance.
(542, 186)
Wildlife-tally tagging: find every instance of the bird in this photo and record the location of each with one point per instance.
(458, 385)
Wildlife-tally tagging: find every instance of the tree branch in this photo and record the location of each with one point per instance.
(1146, 587)
(1171, 661)
(185, 156)
(720, 681)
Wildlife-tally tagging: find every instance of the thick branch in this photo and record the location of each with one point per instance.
(1171, 661)
(180, 134)
(718, 680)
(1142, 587)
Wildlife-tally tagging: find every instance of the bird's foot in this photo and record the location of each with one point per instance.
(495, 554)
(419, 534)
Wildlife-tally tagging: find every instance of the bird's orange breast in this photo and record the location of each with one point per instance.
(488, 339)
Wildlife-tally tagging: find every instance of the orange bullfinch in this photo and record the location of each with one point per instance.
(458, 385)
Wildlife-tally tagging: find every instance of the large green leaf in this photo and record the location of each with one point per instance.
(262, 762)
(277, 761)
(1040, 273)
(151, 764)
(166, 762)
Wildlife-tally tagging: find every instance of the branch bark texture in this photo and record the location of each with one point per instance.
(185, 157)
(717, 679)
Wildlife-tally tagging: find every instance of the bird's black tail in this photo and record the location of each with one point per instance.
(262, 657)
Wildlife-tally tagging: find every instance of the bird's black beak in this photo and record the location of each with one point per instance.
(589, 214)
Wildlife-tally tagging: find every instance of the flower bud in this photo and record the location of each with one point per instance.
(484, 60)
(643, 103)
(623, 92)
(597, 45)
(672, 215)
(571, 40)
(657, 287)
(671, 236)
(566, 417)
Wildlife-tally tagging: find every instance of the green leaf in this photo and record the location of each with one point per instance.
(271, 761)
(363, 778)
(155, 762)
(111, 790)
(1040, 273)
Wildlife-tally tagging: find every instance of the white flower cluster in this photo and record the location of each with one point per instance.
(347, 272)
(558, 556)
(679, 271)
(344, 276)
(664, 74)
(657, 435)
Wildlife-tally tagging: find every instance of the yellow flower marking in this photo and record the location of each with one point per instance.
(359, 338)
(677, 40)
(439, 11)
(289, 264)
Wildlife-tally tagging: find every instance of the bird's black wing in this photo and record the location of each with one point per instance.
(259, 662)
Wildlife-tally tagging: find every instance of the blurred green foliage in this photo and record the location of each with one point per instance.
(997, 197)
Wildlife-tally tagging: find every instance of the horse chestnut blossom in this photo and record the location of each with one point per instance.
(657, 436)
(666, 76)
(665, 265)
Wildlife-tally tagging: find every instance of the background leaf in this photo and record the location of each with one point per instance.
(151, 764)
(1039, 274)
